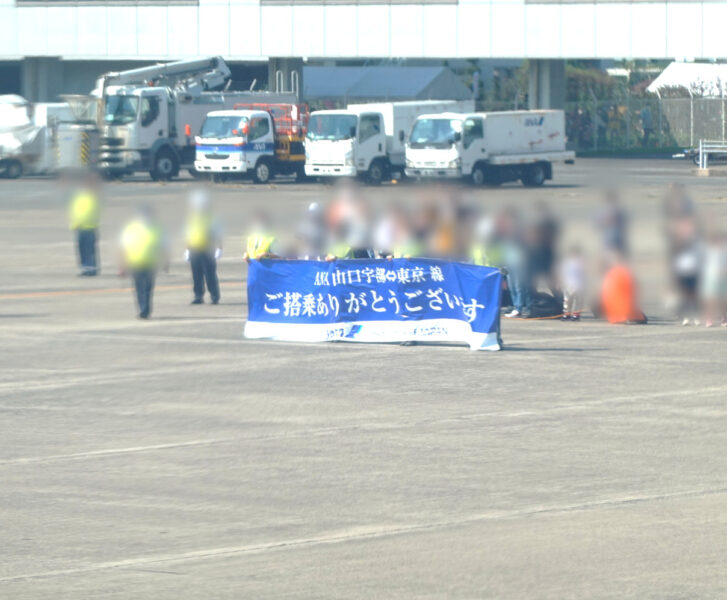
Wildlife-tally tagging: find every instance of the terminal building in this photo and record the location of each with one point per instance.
(48, 47)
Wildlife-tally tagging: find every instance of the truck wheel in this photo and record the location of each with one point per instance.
(263, 172)
(376, 173)
(165, 166)
(13, 169)
(535, 175)
(478, 175)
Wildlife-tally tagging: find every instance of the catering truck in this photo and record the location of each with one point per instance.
(488, 148)
(149, 116)
(366, 140)
(257, 139)
(34, 137)
(26, 136)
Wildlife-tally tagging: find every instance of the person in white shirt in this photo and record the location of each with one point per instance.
(573, 283)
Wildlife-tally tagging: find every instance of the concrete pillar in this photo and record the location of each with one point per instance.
(285, 66)
(546, 86)
(41, 79)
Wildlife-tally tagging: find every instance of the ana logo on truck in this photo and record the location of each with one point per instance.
(534, 121)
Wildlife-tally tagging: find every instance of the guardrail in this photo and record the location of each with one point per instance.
(707, 147)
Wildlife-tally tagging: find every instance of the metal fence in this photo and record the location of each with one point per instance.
(638, 122)
(650, 123)
(627, 123)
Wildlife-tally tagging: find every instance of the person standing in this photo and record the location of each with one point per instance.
(515, 260)
(573, 284)
(142, 246)
(204, 248)
(84, 221)
(260, 241)
(612, 222)
(542, 247)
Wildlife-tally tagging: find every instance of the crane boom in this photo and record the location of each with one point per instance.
(194, 75)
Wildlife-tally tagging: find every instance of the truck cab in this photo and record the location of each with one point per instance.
(236, 142)
(262, 142)
(137, 132)
(346, 143)
(437, 147)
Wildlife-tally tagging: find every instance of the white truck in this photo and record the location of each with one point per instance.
(366, 140)
(258, 139)
(30, 136)
(150, 115)
(488, 148)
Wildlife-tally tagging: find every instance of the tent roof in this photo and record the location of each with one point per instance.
(699, 79)
(12, 99)
(383, 82)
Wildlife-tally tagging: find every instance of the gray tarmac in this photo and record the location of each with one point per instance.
(173, 459)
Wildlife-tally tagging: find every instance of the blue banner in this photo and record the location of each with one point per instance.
(374, 301)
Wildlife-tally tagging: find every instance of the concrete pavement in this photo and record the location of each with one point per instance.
(173, 459)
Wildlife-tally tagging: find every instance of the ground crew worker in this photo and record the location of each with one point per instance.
(204, 247)
(347, 245)
(142, 246)
(84, 220)
(486, 251)
(261, 243)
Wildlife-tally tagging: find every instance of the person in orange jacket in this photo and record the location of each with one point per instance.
(618, 294)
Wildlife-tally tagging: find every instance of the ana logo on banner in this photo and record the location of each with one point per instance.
(374, 301)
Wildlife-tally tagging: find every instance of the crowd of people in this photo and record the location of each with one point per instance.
(543, 278)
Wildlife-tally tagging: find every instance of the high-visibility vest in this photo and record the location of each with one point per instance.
(486, 257)
(341, 251)
(407, 250)
(84, 211)
(259, 244)
(199, 231)
(142, 245)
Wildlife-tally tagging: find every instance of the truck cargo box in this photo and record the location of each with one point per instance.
(523, 132)
(400, 116)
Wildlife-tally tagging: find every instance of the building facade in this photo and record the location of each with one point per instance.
(51, 39)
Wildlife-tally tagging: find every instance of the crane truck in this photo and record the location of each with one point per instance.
(149, 116)
(258, 139)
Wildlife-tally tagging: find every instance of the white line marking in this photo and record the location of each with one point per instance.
(112, 452)
(375, 427)
(359, 533)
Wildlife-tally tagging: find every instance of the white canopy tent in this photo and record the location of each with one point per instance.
(698, 79)
(701, 80)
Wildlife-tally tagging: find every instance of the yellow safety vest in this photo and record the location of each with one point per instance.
(142, 245)
(486, 258)
(84, 211)
(258, 245)
(341, 251)
(410, 249)
(199, 231)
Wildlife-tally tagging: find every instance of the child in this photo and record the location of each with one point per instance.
(573, 283)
